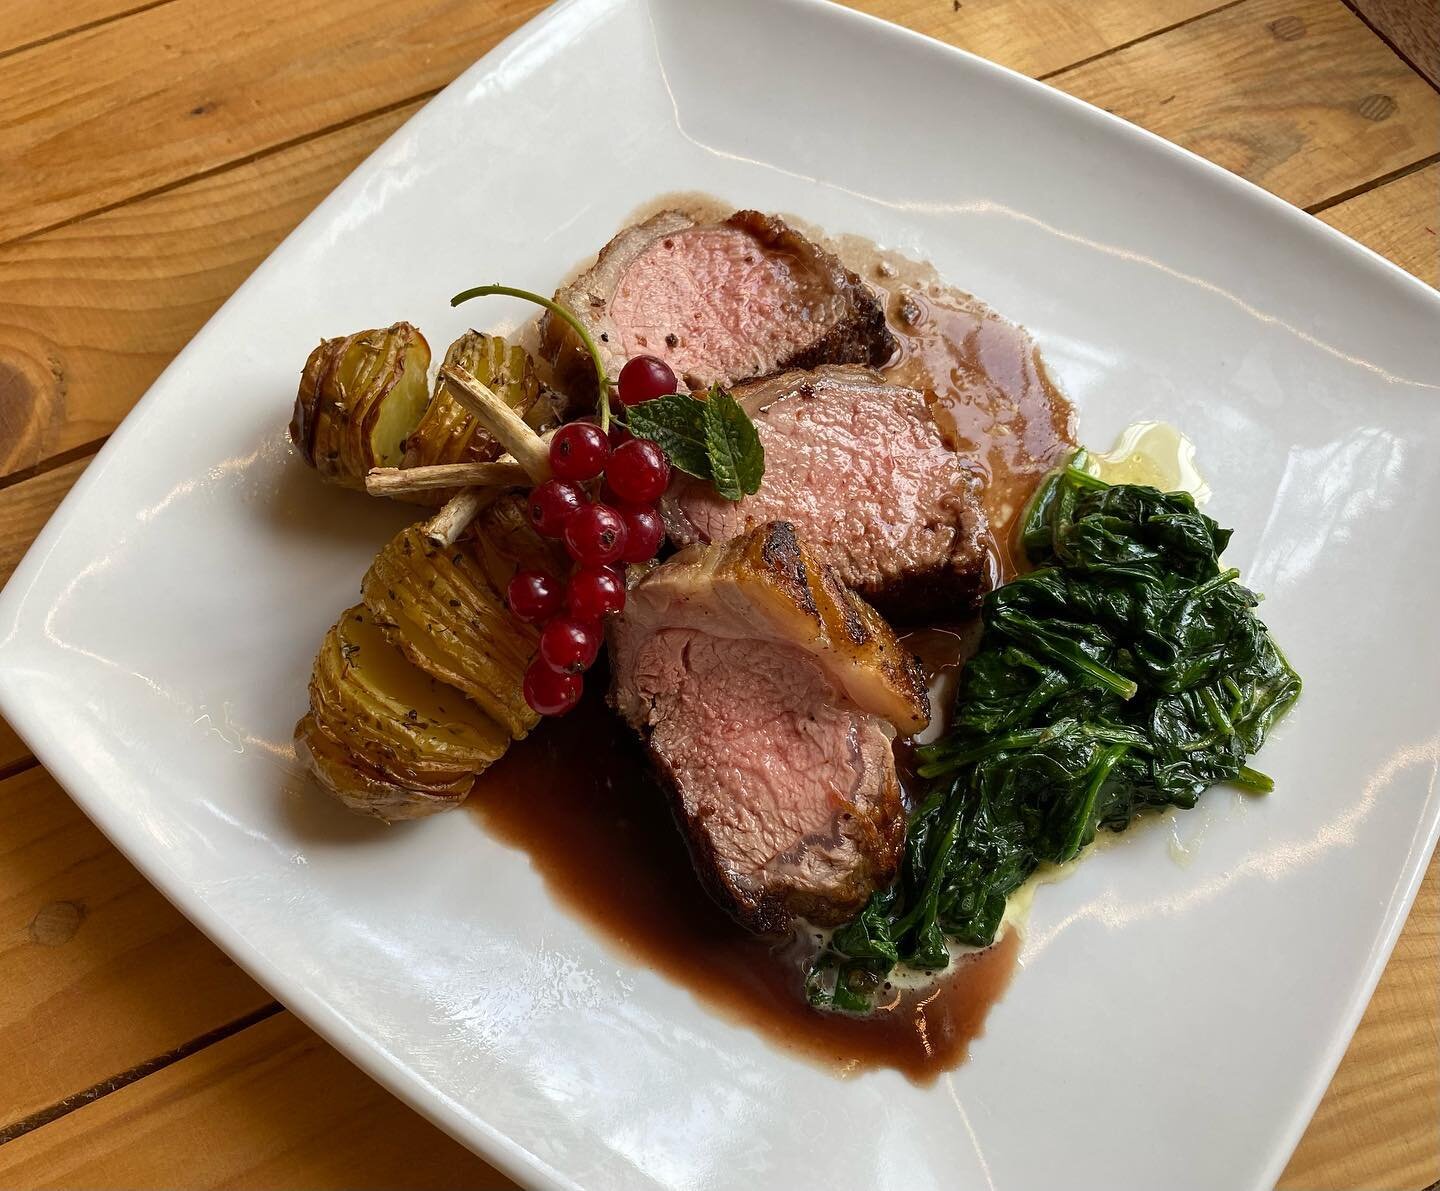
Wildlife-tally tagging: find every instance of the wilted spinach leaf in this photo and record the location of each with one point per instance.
(1128, 671)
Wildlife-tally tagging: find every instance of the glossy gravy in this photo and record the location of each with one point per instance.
(603, 840)
(985, 382)
(602, 836)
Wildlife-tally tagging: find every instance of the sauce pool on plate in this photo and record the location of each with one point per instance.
(577, 798)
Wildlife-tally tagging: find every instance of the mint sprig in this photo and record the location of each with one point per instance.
(737, 456)
(677, 422)
(711, 438)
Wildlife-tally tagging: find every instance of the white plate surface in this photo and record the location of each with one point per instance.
(1173, 1024)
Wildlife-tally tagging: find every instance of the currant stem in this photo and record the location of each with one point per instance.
(481, 291)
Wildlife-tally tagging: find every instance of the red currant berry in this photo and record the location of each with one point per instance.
(638, 472)
(552, 504)
(619, 434)
(570, 646)
(595, 535)
(644, 378)
(579, 451)
(549, 692)
(644, 531)
(594, 592)
(534, 596)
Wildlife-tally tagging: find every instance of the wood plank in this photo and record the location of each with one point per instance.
(1377, 1126)
(26, 506)
(1411, 26)
(1295, 95)
(1036, 36)
(1400, 221)
(160, 96)
(24, 22)
(12, 749)
(271, 1107)
(91, 313)
(98, 972)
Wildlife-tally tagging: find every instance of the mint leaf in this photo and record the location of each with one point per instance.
(677, 423)
(737, 457)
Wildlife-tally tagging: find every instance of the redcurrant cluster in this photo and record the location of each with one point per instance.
(622, 526)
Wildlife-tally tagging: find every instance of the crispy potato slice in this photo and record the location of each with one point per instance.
(384, 737)
(406, 724)
(439, 608)
(448, 433)
(360, 398)
(363, 788)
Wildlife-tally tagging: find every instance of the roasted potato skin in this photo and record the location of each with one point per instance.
(384, 737)
(449, 434)
(349, 384)
(441, 610)
(364, 789)
(415, 692)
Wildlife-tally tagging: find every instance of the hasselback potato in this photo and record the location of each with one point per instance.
(360, 397)
(364, 403)
(439, 608)
(385, 738)
(447, 433)
(415, 692)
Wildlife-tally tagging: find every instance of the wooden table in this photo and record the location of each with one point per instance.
(153, 152)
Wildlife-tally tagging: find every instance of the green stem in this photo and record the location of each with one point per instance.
(1216, 714)
(509, 291)
(1254, 781)
(1084, 479)
(1067, 654)
(1092, 793)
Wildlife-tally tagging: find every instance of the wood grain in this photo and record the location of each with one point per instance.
(98, 972)
(273, 1107)
(13, 752)
(24, 509)
(25, 22)
(1411, 26)
(1379, 1124)
(1295, 95)
(155, 98)
(91, 313)
(1400, 221)
(1010, 31)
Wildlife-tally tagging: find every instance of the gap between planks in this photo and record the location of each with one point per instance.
(1390, 44)
(1374, 184)
(59, 459)
(114, 1083)
(1134, 41)
(429, 93)
(83, 27)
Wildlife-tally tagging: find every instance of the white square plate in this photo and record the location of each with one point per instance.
(1174, 1025)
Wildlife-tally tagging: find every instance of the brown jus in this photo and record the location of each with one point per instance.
(983, 378)
(602, 836)
(603, 840)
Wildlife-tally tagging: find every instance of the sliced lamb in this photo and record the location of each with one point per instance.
(718, 302)
(769, 695)
(862, 470)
